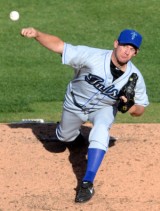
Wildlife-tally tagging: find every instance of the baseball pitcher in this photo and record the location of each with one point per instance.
(105, 82)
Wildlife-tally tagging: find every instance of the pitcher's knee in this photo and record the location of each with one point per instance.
(66, 136)
(99, 145)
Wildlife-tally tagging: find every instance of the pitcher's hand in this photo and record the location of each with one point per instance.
(29, 32)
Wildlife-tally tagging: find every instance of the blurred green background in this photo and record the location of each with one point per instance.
(33, 80)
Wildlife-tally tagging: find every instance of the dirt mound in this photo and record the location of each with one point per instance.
(37, 173)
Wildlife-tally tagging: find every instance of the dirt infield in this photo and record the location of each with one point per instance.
(38, 174)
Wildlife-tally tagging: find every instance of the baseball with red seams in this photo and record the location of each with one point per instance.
(14, 15)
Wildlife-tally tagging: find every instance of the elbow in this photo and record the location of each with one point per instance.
(135, 114)
(59, 47)
(136, 110)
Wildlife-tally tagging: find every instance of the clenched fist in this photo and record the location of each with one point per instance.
(29, 32)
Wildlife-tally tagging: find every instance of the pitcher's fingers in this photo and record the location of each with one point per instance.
(28, 32)
(124, 99)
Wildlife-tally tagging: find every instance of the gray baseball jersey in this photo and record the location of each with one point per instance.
(92, 87)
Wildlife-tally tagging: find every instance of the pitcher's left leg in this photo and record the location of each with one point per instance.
(99, 141)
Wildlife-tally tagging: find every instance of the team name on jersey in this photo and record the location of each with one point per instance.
(98, 83)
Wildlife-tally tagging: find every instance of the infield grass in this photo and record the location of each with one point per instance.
(33, 80)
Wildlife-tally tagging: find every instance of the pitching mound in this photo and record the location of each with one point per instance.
(38, 174)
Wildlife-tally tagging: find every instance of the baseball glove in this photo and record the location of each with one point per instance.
(128, 92)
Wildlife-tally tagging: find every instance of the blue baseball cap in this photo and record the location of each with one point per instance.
(129, 36)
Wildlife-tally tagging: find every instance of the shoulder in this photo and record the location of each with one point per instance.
(85, 49)
(136, 70)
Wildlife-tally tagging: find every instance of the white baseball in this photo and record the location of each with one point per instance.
(14, 15)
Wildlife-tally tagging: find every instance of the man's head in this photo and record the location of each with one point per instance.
(126, 47)
(130, 37)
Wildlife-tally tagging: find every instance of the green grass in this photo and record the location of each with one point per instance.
(51, 112)
(151, 115)
(33, 80)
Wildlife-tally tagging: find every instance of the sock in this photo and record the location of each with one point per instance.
(95, 157)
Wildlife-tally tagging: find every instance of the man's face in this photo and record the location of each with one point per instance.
(124, 53)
